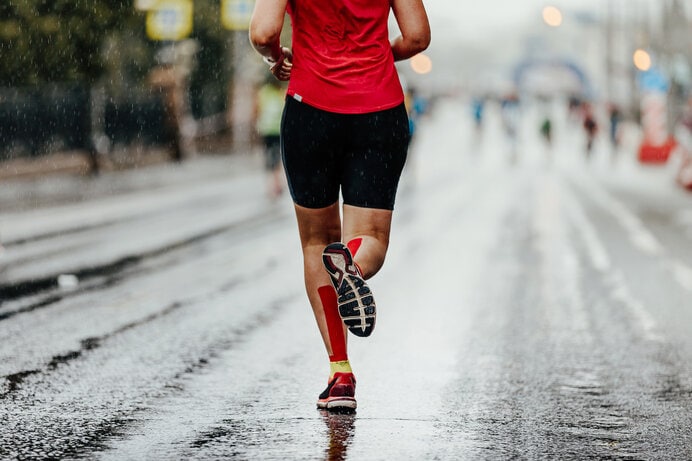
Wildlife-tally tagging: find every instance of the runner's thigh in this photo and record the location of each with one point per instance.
(372, 165)
(311, 141)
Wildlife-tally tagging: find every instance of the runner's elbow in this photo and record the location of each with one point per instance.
(417, 43)
(263, 35)
(419, 47)
(420, 42)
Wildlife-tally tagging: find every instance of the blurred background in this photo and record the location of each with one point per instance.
(535, 303)
(115, 83)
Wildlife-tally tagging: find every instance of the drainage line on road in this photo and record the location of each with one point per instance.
(88, 344)
(16, 290)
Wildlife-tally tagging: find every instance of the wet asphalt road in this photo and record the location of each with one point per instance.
(536, 310)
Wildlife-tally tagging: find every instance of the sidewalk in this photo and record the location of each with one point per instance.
(77, 161)
(63, 178)
(58, 163)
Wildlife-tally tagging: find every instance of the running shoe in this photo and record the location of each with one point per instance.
(339, 394)
(355, 301)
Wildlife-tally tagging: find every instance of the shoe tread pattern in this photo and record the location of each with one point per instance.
(355, 301)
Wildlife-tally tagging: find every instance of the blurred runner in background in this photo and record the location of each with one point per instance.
(590, 128)
(270, 106)
(477, 110)
(683, 133)
(509, 106)
(167, 80)
(416, 107)
(615, 117)
(546, 130)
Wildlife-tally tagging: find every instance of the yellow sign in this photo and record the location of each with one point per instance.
(235, 14)
(170, 20)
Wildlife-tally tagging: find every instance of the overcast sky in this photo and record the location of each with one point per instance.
(469, 35)
(476, 20)
(468, 20)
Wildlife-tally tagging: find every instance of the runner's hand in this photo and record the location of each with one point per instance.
(282, 68)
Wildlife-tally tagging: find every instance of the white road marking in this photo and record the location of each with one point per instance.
(601, 262)
(639, 236)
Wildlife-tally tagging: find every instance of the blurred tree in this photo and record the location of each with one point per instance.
(80, 41)
(58, 40)
(209, 80)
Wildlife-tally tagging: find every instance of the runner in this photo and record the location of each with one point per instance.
(590, 128)
(270, 105)
(344, 129)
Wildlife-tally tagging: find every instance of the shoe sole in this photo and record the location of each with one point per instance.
(355, 301)
(338, 404)
(356, 306)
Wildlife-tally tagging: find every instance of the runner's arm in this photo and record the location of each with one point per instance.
(265, 34)
(414, 26)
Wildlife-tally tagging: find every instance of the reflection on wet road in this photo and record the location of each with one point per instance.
(534, 310)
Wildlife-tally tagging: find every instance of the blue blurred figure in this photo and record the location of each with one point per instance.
(509, 106)
(416, 106)
(477, 108)
(615, 116)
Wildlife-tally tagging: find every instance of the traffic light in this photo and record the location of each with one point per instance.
(235, 14)
(170, 20)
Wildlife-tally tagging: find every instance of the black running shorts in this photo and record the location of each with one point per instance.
(361, 154)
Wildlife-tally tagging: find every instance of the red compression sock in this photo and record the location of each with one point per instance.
(353, 245)
(335, 326)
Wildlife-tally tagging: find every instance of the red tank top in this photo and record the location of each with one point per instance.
(342, 58)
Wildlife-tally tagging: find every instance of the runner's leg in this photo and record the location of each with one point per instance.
(317, 228)
(366, 233)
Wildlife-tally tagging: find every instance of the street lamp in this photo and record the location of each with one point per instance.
(642, 60)
(552, 16)
(421, 64)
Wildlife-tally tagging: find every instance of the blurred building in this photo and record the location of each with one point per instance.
(674, 45)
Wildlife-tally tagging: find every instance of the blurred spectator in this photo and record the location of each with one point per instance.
(547, 130)
(683, 134)
(574, 108)
(477, 109)
(685, 126)
(167, 80)
(509, 107)
(270, 105)
(615, 116)
(590, 127)
(416, 107)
